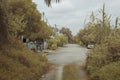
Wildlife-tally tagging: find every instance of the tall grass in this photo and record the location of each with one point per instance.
(103, 62)
(17, 62)
(71, 72)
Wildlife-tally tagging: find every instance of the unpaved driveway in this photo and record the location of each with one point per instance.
(70, 53)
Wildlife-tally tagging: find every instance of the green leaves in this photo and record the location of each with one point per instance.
(58, 40)
(68, 33)
(16, 24)
(25, 19)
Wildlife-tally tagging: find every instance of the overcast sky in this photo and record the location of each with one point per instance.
(72, 13)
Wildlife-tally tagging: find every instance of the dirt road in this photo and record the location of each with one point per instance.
(69, 54)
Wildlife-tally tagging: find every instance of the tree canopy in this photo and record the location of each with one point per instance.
(68, 33)
(21, 17)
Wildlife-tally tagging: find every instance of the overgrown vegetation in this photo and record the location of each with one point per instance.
(57, 41)
(68, 34)
(21, 18)
(96, 30)
(17, 62)
(71, 72)
(103, 61)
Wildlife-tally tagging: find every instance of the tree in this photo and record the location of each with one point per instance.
(68, 33)
(57, 41)
(44, 32)
(29, 17)
(18, 13)
(96, 30)
(16, 25)
(3, 21)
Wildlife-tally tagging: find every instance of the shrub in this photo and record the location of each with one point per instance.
(17, 62)
(103, 56)
(57, 41)
(71, 72)
(53, 46)
(108, 72)
(96, 58)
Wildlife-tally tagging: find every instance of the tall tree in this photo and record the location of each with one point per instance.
(68, 33)
(23, 8)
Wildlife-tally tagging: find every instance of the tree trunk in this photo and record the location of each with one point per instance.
(3, 21)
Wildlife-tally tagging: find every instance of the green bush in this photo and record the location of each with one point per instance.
(53, 47)
(52, 44)
(57, 41)
(96, 59)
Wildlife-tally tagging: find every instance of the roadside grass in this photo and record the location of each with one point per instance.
(17, 62)
(71, 72)
(109, 72)
(103, 62)
(54, 77)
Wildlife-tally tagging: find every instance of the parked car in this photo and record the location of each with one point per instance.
(91, 45)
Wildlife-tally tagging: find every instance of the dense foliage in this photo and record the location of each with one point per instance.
(67, 33)
(57, 41)
(96, 30)
(21, 18)
(17, 62)
(103, 61)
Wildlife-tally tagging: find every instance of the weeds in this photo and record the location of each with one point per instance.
(17, 62)
(71, 72)
(104, 60)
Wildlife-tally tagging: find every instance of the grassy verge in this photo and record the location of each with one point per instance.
(103, 62)
(70, 72)
(17, 62)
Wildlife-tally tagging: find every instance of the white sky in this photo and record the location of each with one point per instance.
(72, 13)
